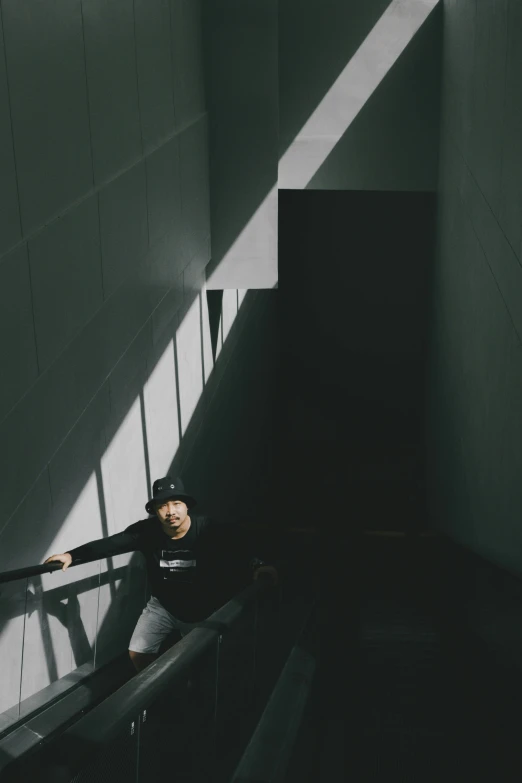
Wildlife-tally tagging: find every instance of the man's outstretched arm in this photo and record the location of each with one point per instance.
(118, 544)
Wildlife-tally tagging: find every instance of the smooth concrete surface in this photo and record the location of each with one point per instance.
(241, 55)
(114, 109)
(317, 95)
(16, 318)
(48, 106)
(105, 330)
(359, 94)
(354, 301)
(475, 454)
(10, 228)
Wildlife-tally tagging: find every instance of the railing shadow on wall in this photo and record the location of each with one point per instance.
(340, 60)
(124, 604)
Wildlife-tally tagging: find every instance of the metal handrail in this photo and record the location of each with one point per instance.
(46, 568)
(105, 722)
(25, 573)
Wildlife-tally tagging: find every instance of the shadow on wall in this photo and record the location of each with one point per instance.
(392, 143)
(309, 51)
(241, 77)
(317, 38)
(190, 441)
(404, 114)
(169, 382)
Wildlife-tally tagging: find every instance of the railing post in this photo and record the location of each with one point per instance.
(215, 720)
(253, 691)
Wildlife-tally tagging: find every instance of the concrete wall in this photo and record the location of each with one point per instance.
(242, 88)
(359, 110)
(105, 336)
(476, 375)
(353, 295)
(312, 94)
(359, 89)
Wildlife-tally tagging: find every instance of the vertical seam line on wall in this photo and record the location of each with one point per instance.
(178, 145)
(144, 159)
(61, 442)
(202, 341)
(176, 377)
(504, 103)
(49, 484)
(13, 147)
(11, 126)
(87, 94)
(102, 502)
(23, 643)
(181, 212)
(95, 645)
(97, 194)
(490, 269)
(145, 437)
(38, 363)
(171, 45)
(477, 185)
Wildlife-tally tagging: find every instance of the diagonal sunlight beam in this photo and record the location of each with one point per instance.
(253, 251)
(351, 90)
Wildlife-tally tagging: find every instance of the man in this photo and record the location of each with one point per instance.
(194, 565)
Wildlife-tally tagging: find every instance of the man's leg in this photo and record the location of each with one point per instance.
(140, 661)
(153, 626)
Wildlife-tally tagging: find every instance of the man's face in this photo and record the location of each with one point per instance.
(172, 514)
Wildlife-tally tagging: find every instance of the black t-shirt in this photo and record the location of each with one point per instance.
(191, 576)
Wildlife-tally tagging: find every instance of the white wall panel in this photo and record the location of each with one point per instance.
(154, 55)
(187, 74)
(124, 473)
(66, 275)
(124, 226)
(164, 195)
(9, 212)
(476, 416)
(110, 50)
(46, 71)
(193, 150)
(17, 338)
(510, 208)
(241, 58)
(190, 362)
(161, 413)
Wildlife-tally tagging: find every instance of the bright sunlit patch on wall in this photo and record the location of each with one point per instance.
(190, 362)
(229, 311)
(208, 362)
(124, 472)
(352, 89)
(117, 495)
(84, 515)
(161, 413)
(252, 256)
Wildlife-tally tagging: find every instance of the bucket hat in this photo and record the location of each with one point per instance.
(168, 488)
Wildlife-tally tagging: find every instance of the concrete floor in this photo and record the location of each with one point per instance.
(406, 691)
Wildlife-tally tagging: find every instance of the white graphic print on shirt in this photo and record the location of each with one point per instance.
(178, 564)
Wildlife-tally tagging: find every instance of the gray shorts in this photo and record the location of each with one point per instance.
(153, 627)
